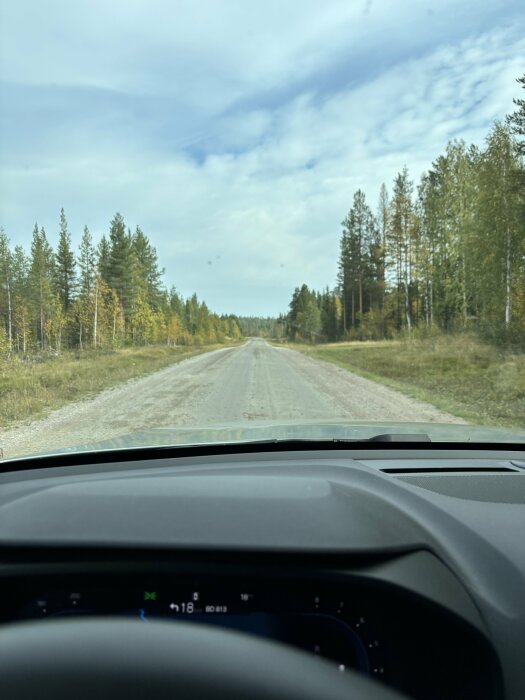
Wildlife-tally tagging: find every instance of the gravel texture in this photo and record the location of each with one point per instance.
(253, 382)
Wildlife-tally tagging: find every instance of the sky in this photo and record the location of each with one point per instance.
(235, 133)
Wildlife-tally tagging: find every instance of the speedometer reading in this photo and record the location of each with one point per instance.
(326, 623)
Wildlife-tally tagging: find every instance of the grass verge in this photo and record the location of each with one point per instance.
(30, 390)
(458, 374)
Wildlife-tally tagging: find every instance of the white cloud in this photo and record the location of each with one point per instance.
(245, 205)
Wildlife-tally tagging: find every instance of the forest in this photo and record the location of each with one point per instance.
(107, 295)
(445, 255)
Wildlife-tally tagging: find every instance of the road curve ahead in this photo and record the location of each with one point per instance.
(252, 382)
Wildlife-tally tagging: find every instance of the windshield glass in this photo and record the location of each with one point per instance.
(236, 220)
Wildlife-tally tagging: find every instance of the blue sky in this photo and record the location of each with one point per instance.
(236, 132)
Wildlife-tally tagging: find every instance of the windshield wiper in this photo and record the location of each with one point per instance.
(384, 437)
(400, 437)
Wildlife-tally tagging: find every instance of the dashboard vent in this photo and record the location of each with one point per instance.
(445, 470)
(488, 488)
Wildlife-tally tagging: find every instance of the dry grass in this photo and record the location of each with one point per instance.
(32, 389)
(459, 374)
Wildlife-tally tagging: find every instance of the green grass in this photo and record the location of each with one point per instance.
(30, 390)
(459, 374)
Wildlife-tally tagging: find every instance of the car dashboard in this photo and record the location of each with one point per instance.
(352, 557)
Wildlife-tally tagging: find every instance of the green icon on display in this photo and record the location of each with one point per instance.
(150, 595)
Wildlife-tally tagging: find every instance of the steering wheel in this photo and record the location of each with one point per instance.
(101, 659)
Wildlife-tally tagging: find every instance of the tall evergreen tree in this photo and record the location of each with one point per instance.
(122, 264)
(103, 256)
(149, 274)
(65, 265)
(501, 234)
(6, 289)
(383, 210)
(516, 120)
(358, 241)
(86, 263)
(21, 307)
(400, 239)
(41, 278)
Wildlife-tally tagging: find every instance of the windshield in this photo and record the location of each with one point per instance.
(235, 220)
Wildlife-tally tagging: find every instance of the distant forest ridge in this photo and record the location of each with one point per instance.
(261, 327)
(446, 255)
(105, 295)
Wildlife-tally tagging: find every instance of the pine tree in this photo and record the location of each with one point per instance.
(382, 226)
(65, 266)
(329, 316)
(21, 310)
(344, 281)
(400, 239)
(358, 241)
(149, 274)
(41, 277)
(103, 259)
(501, 232)
(122, 264)
(6, 289)
(86, 263)
(304, 318)
(516, 120)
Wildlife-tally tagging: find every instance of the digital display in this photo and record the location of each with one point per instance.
(356, 625)
(323, 623)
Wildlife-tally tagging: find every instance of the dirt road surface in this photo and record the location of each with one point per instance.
(252, 382)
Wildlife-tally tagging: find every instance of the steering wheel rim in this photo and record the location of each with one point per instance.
(99, 659)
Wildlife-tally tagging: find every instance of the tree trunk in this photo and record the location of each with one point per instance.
(431, 304)
(407, 313)
(95, 317)
(360, 299)
(24, 333)
(42, 321)
(9, 317)
(508, 283)
(427, 304)
(407, 308)
(464, 291)
(407, 274)
(508, 256)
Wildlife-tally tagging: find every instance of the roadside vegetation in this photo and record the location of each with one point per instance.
(445, 254)
(31, 388)
(460, 374)
(105, 296)
(73, 324)
(430, 292)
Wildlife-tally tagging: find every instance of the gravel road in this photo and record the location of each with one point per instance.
(253, 382)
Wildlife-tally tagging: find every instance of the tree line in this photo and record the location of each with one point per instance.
(447, 253)
(259, 326)
(104, 296)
